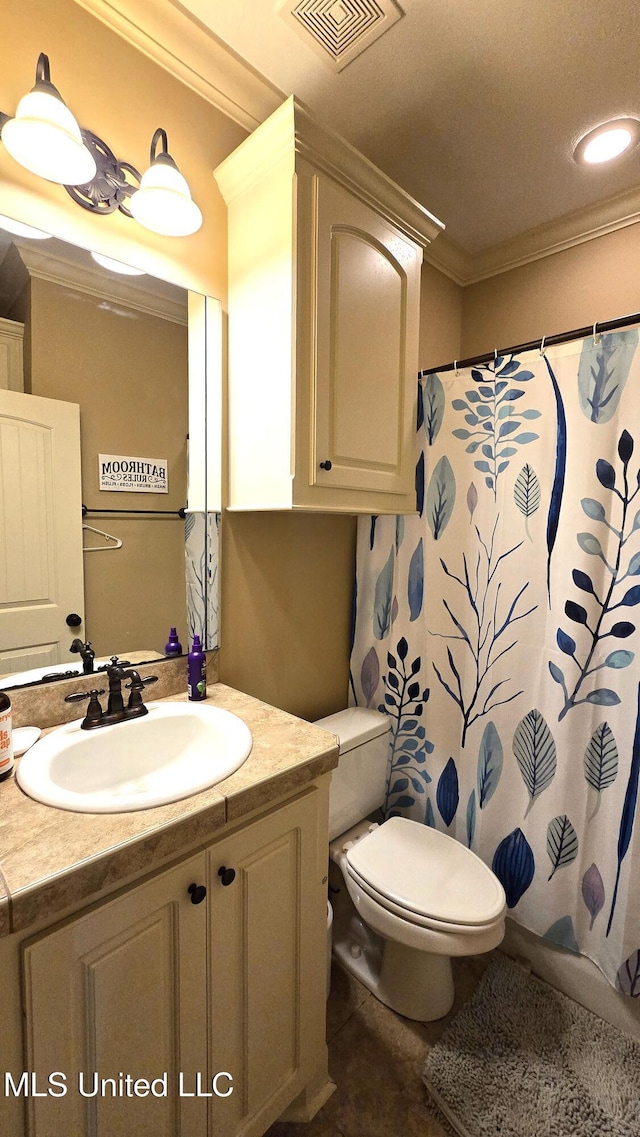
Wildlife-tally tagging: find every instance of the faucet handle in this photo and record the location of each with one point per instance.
(93, 716)
(135, 706)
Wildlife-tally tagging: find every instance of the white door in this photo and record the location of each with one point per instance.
(41, 579)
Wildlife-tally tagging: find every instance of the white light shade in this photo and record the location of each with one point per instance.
(45, 138)
(163, 203)
(116, 266)
(19, 229)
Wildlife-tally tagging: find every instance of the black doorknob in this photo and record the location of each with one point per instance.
(73, 620)
(198, 893)
(325, 465)
(227, 876)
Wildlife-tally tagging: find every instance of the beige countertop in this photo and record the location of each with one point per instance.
(50, 859)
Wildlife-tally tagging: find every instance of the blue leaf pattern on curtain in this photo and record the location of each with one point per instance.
(383, 601)
(447, 794)
(629, 975)
(601, 761)
(514, 866)
(603, 371)
(441, 497)
(490, 760)
(525, 621)
(593, 892)
(416, 581)
(628, 811)
(553, 517)
(535, 753)
(432, 399)
(608, 599)
(563, 934)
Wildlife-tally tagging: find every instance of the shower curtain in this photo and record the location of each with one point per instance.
(499, 629)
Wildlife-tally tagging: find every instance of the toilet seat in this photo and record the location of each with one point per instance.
(426, 877)
(417, 918)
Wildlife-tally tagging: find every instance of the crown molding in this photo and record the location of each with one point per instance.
(173, 38)
(566, 232)
(293, 132)
(143, 294)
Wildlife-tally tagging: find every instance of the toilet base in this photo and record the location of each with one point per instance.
(415, 984)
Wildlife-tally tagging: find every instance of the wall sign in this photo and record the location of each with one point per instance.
(124, 474)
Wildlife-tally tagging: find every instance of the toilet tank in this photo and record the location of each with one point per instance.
(358, 784)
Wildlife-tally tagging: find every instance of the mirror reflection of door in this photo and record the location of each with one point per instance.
(117, 346)
(41, 570)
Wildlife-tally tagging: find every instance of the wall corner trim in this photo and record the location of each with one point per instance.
(555, 236)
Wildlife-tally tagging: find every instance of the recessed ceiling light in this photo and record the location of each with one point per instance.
(19, 229)
(116, 266)
(607, 141)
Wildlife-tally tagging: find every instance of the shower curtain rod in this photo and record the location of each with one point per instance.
(546, 341)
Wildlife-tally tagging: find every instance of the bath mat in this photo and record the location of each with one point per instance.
(523, 1060)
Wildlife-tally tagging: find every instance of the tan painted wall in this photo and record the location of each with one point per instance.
(598, 280)
(128, 373)
(440, 318)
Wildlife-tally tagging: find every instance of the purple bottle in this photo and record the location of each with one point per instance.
(196, 672)
(173, 645)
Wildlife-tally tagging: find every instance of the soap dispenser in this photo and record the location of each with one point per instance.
(196, 671)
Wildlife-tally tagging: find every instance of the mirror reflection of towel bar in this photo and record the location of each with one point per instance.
(107, 536)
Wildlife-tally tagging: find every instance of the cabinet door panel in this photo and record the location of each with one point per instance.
(114, 993)
(264, 935)
(365, 382)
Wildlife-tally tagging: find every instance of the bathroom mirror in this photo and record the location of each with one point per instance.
(125, 350)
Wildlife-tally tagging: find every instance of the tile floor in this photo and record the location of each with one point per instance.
(376, 1060)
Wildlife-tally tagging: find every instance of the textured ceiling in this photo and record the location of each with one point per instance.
(472, 106)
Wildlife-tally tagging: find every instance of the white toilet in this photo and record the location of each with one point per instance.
(414, 896)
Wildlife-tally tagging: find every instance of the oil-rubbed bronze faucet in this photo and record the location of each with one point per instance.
(116, 710)
(86, 653)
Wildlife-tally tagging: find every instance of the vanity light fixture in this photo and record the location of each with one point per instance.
(163, 203)
(116, 266)
(607, 141)
(44, 137)
(19, 229)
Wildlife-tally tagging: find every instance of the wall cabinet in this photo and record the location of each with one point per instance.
(155, 986)
(324, 293)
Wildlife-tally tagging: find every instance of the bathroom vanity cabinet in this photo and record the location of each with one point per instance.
(324, 294)
(151, 984)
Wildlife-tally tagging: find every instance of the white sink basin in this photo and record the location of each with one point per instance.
(178, 749)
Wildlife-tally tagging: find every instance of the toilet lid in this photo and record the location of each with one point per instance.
(428, 873)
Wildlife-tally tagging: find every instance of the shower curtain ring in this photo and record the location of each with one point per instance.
(596, 337)
(455, 367)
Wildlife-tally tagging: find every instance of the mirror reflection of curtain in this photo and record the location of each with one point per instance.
(201, 569)
(499, 630)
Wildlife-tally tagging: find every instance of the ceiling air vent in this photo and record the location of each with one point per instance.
(340, 30)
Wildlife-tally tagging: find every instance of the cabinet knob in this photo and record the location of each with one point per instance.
(227, 876)
(325, 465)
(198, 893)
